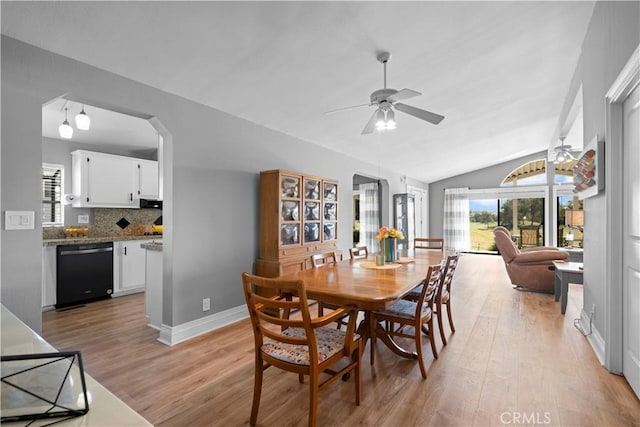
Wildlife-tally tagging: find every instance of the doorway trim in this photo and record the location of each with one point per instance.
(424, 213)
(627, 80)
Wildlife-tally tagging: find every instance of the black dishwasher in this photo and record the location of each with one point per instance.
(84, 273)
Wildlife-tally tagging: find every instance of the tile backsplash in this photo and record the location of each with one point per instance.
(106, 220)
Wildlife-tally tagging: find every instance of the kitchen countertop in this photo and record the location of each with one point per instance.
(155, 245)
(81, 240)
(105, 408)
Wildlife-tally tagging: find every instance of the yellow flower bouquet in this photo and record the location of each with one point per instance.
(387, 238)
(386, 233)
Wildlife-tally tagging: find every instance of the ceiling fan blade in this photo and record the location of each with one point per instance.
(371, 124)
(346, 108)
(421, 114)
(403, 94)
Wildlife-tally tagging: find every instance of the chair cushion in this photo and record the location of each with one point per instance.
(444, 297)
(415, 292)
(330, 342)
(406, 309)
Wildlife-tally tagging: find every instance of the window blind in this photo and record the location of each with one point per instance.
(52, 195)
(524, 192)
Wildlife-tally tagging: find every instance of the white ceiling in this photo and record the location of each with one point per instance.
(107, 127)
(498, 71)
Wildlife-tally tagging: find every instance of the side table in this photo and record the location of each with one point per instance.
(575, 254)
(566, 272)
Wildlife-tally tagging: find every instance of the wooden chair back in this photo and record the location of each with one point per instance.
(431, 243)
(443, 295)
(321, 260)
(283, 302)
(411, 313)
(429, 289)
(530, 236)
(447, 274)
(293, 344)
(358, 252)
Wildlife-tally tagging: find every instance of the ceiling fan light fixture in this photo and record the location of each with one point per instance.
(391, 119)
(82, 120)
(380, 120)
(65, 129)
(563, 153)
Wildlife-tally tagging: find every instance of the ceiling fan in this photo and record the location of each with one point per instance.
(386, 102)
(564, 153)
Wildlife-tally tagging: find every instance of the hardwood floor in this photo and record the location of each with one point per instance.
(514, 360)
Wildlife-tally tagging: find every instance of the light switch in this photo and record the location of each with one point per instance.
(19, 220)
(83, 219)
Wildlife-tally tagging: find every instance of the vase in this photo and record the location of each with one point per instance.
(390, 249)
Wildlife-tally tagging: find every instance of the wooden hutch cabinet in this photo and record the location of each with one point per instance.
(298, 217)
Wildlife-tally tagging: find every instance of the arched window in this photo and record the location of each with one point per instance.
(532, 173)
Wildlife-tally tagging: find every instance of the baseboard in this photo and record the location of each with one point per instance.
(594, 338)
(127, 292)
(171, 335)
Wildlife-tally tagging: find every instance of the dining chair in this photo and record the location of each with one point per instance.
(303, 345)
(321, 260)
(324, 260)
(443, 295)
(359, 252)
(405, 313)
(431, 243)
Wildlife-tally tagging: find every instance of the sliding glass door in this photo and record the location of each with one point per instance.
(525, 219)
(521, 211)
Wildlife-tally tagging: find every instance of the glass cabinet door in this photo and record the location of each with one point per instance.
(329, 211)
(312, 210)
(290, 210)
(311, 189)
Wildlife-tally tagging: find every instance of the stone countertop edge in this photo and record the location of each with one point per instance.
(81, 240)
(153, 246)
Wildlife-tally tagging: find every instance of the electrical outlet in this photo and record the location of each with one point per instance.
(206, 304)
(593, 310)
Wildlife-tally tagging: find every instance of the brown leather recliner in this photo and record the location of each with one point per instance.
(528, 269)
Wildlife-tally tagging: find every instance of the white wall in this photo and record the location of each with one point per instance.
(211, 175)
(490, 177)
(613, 35)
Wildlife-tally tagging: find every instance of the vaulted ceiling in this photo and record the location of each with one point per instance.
(498, 71)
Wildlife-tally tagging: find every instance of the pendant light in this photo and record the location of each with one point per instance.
(82, 120)
(65, 129)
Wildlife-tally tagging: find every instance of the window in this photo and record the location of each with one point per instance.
(526, 218)
(52, 179)
(570, 218)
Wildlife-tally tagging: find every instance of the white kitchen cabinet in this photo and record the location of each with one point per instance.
(109, 181)
(48, 277)
(129, 267)
(103, 180)
(147, 179)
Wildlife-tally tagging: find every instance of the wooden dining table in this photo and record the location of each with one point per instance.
(369, 288)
